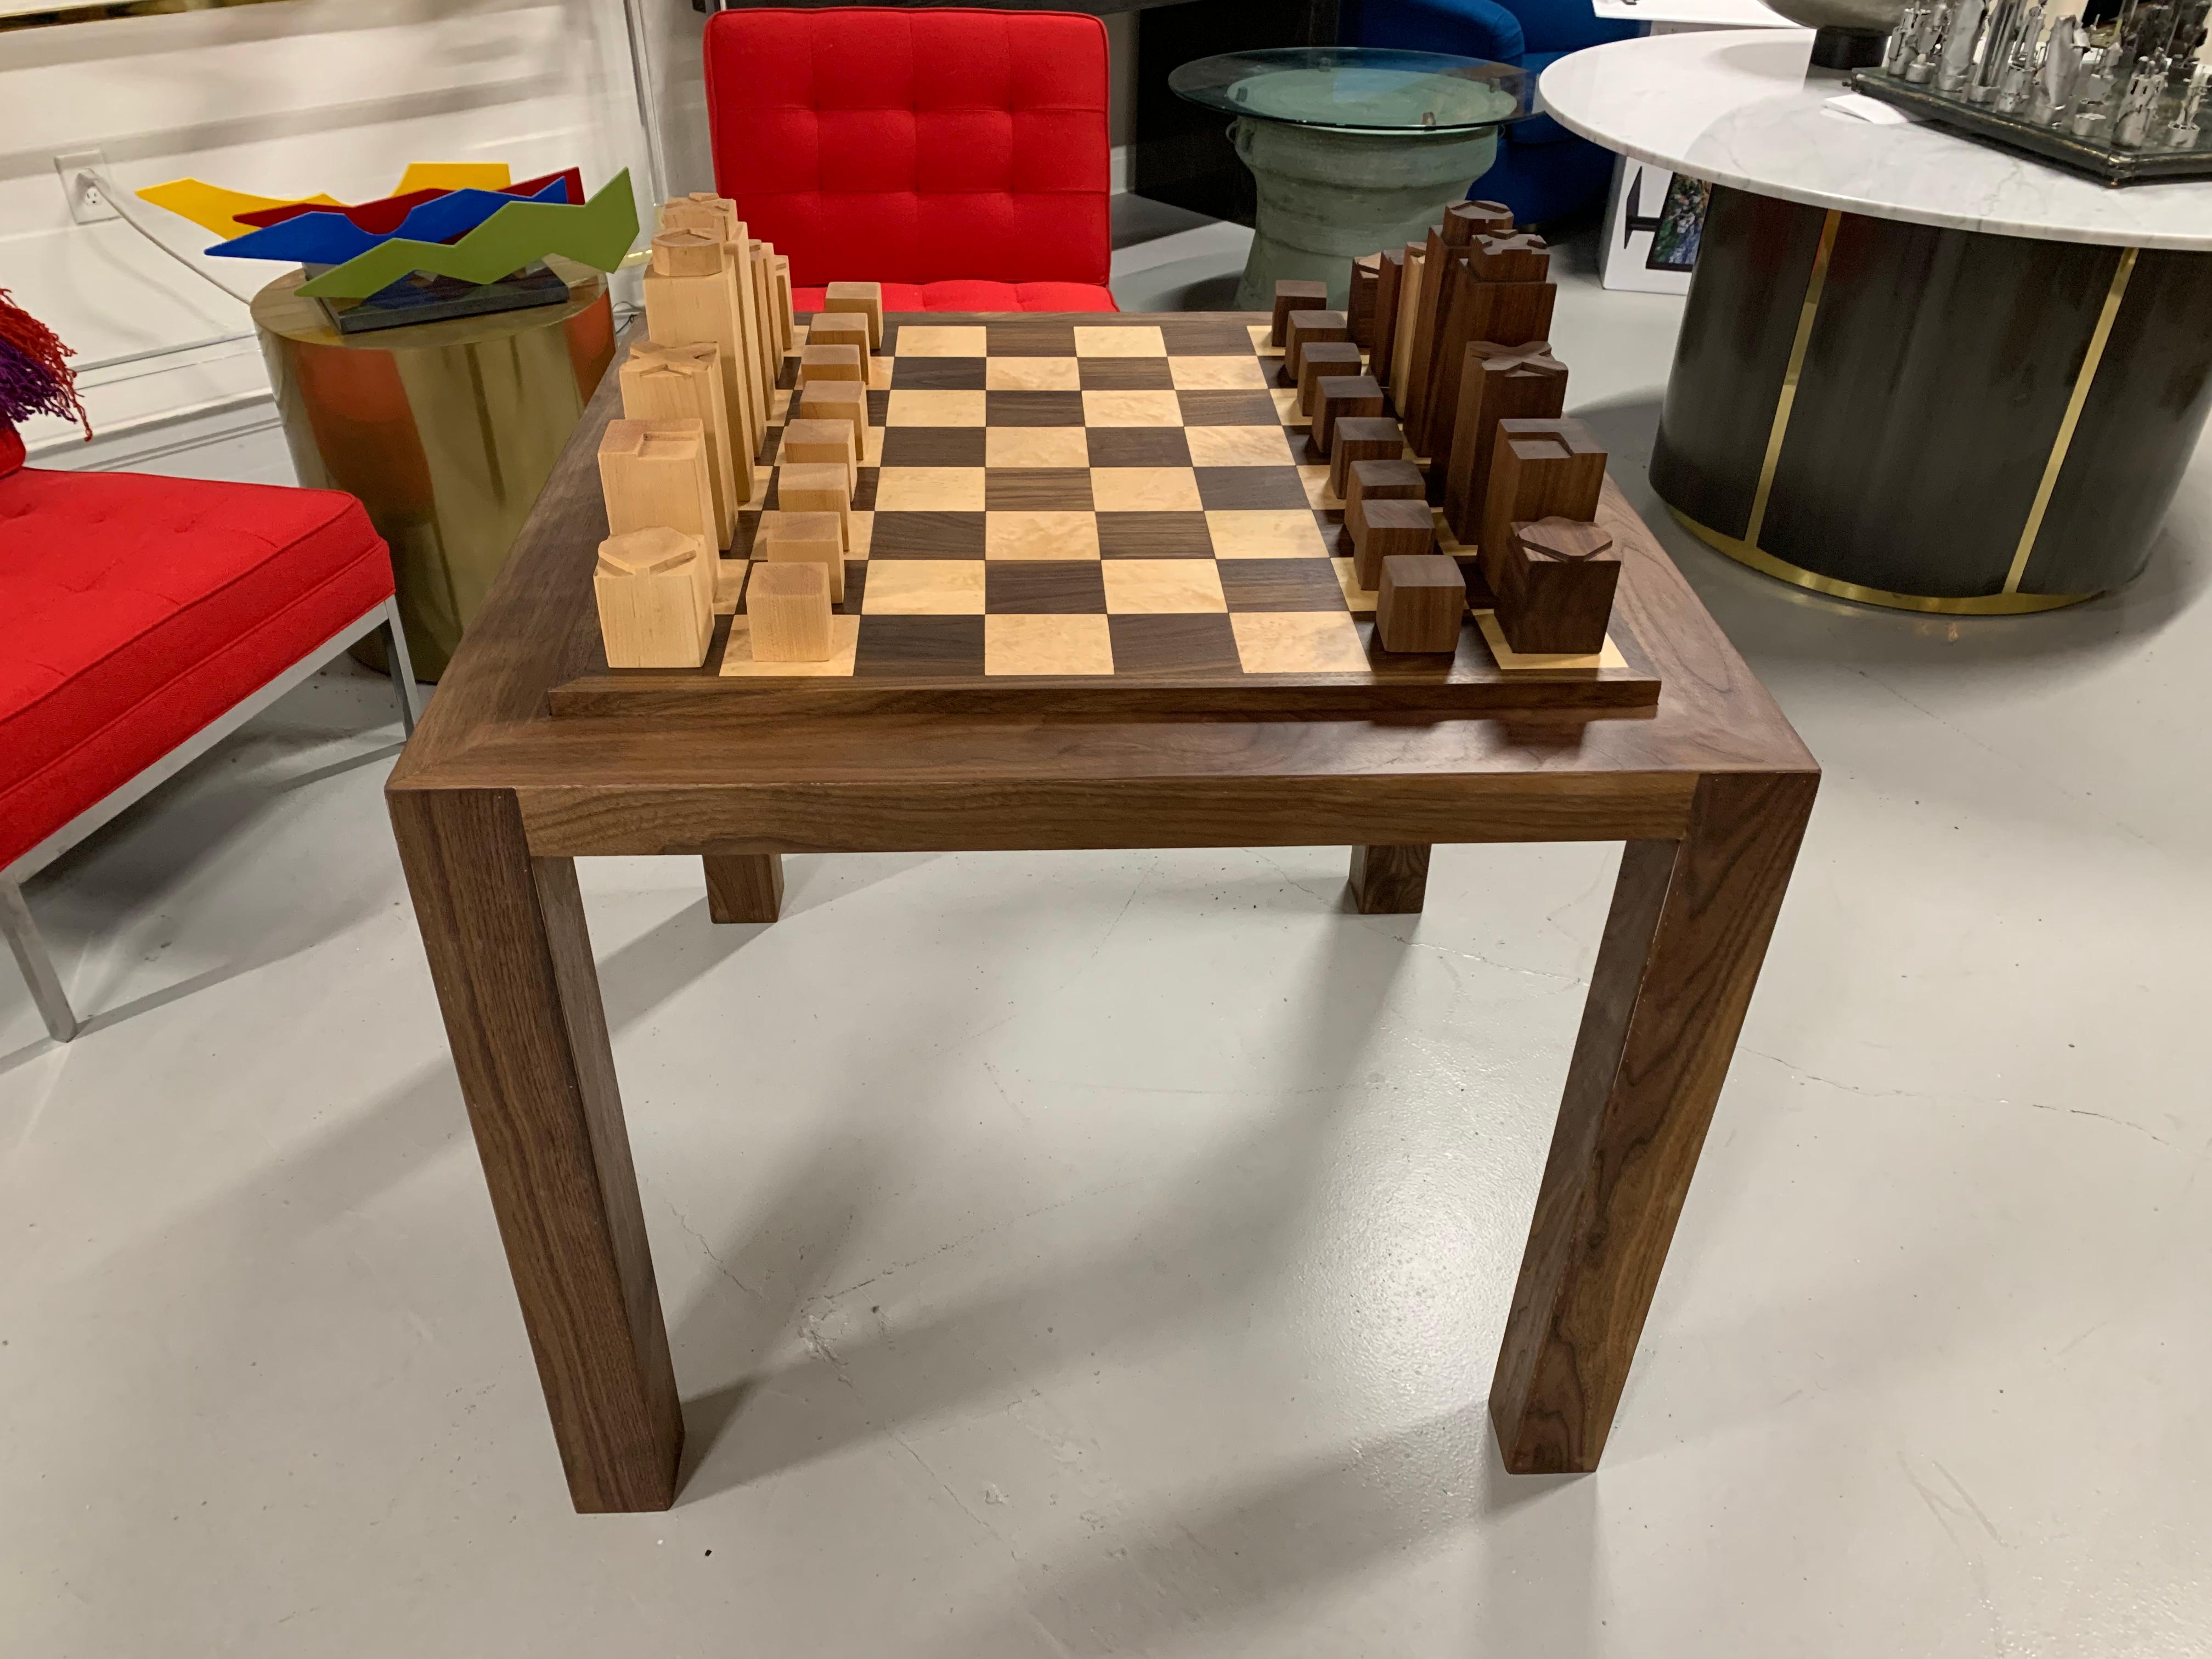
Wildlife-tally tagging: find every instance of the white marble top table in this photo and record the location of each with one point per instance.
(1705, 13)
(1736, 107)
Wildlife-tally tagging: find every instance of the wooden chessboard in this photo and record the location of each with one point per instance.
(1108, 514)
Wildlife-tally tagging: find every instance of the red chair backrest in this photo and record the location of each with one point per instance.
(883, 144)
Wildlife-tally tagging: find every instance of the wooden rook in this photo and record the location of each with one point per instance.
(1556, 586)
(1336, 395)
(1497, 383)
(813, 487)
(1304, 328)
(1420, 602)
(839, 328)
(653, 475)
(681, 383)
(651, 614)
(866, 298)
(788, 606)
(1361, 438)
(1359, 309)
(838, 400)
(1294, 294)
(812, 537)
(692, 297)
(1538, 469)
(822, 441)
(1323, 358)
(1389, 279)
(1384, 530)
(830, 362)
(1507, 313)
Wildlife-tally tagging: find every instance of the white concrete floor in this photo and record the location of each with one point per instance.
(1086, 1255)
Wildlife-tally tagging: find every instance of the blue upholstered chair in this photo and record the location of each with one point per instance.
(1543, 172)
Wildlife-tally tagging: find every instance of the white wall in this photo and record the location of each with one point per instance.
(283, 99)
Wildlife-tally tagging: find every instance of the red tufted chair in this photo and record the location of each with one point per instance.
(956, 156)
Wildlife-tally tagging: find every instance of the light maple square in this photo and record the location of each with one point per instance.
(935, 409)
(1274, 533)
(1298, 642)
(1039, 535)
(1101, 408)
(1108, 340)
(924, 587)
(1145, 489)
(1238, 445)
(1047, 645)
(941, 340)
(1162, 586)
(1216, 373)
(1035, 446)
(929, 489)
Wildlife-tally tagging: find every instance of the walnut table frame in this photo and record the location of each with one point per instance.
(494, 800)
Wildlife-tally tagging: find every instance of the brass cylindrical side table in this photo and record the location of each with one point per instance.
(445, 431)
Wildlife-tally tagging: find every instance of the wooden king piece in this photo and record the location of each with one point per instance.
(1498, 383)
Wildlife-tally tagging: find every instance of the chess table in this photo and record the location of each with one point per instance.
(1063, 706)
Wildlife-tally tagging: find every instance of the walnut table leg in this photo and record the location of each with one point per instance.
(513, 965)
(1683, 945)
(1389, 881)
(744, 886)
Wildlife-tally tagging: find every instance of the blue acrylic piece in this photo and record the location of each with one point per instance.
(331, 239)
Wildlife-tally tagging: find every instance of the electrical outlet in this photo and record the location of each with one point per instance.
(86, 204)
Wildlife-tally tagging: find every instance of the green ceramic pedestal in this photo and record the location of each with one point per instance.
(1327, 197)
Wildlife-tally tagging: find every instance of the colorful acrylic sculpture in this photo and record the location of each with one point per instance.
(454, 239)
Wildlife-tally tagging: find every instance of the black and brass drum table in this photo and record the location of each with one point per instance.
(447, 432)
(1916, 370)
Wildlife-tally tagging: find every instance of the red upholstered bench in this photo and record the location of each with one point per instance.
(957, 156)
(141, 619)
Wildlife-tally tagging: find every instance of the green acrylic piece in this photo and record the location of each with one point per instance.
(597, 234)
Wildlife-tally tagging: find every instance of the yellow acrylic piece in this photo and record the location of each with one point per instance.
(453, 176)
(215, 208)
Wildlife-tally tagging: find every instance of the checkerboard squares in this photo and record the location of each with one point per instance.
(1298, 642)
(1108, 340)
(1238, 445)
(1033, 374)
(929, 489)
(938, 340)
(935, 409)
(1216, 373)
(1319, 496)
(1037, 446)
(924, 587)
(1286, 406)
(1039, 535)
(1288, 533)
(1260, 343)
(1047, 645)
(1147, 490)
(1131, 409)
(1151, 587)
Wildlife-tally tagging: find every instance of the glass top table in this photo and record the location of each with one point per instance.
(1352, 149)
(1368, 89)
